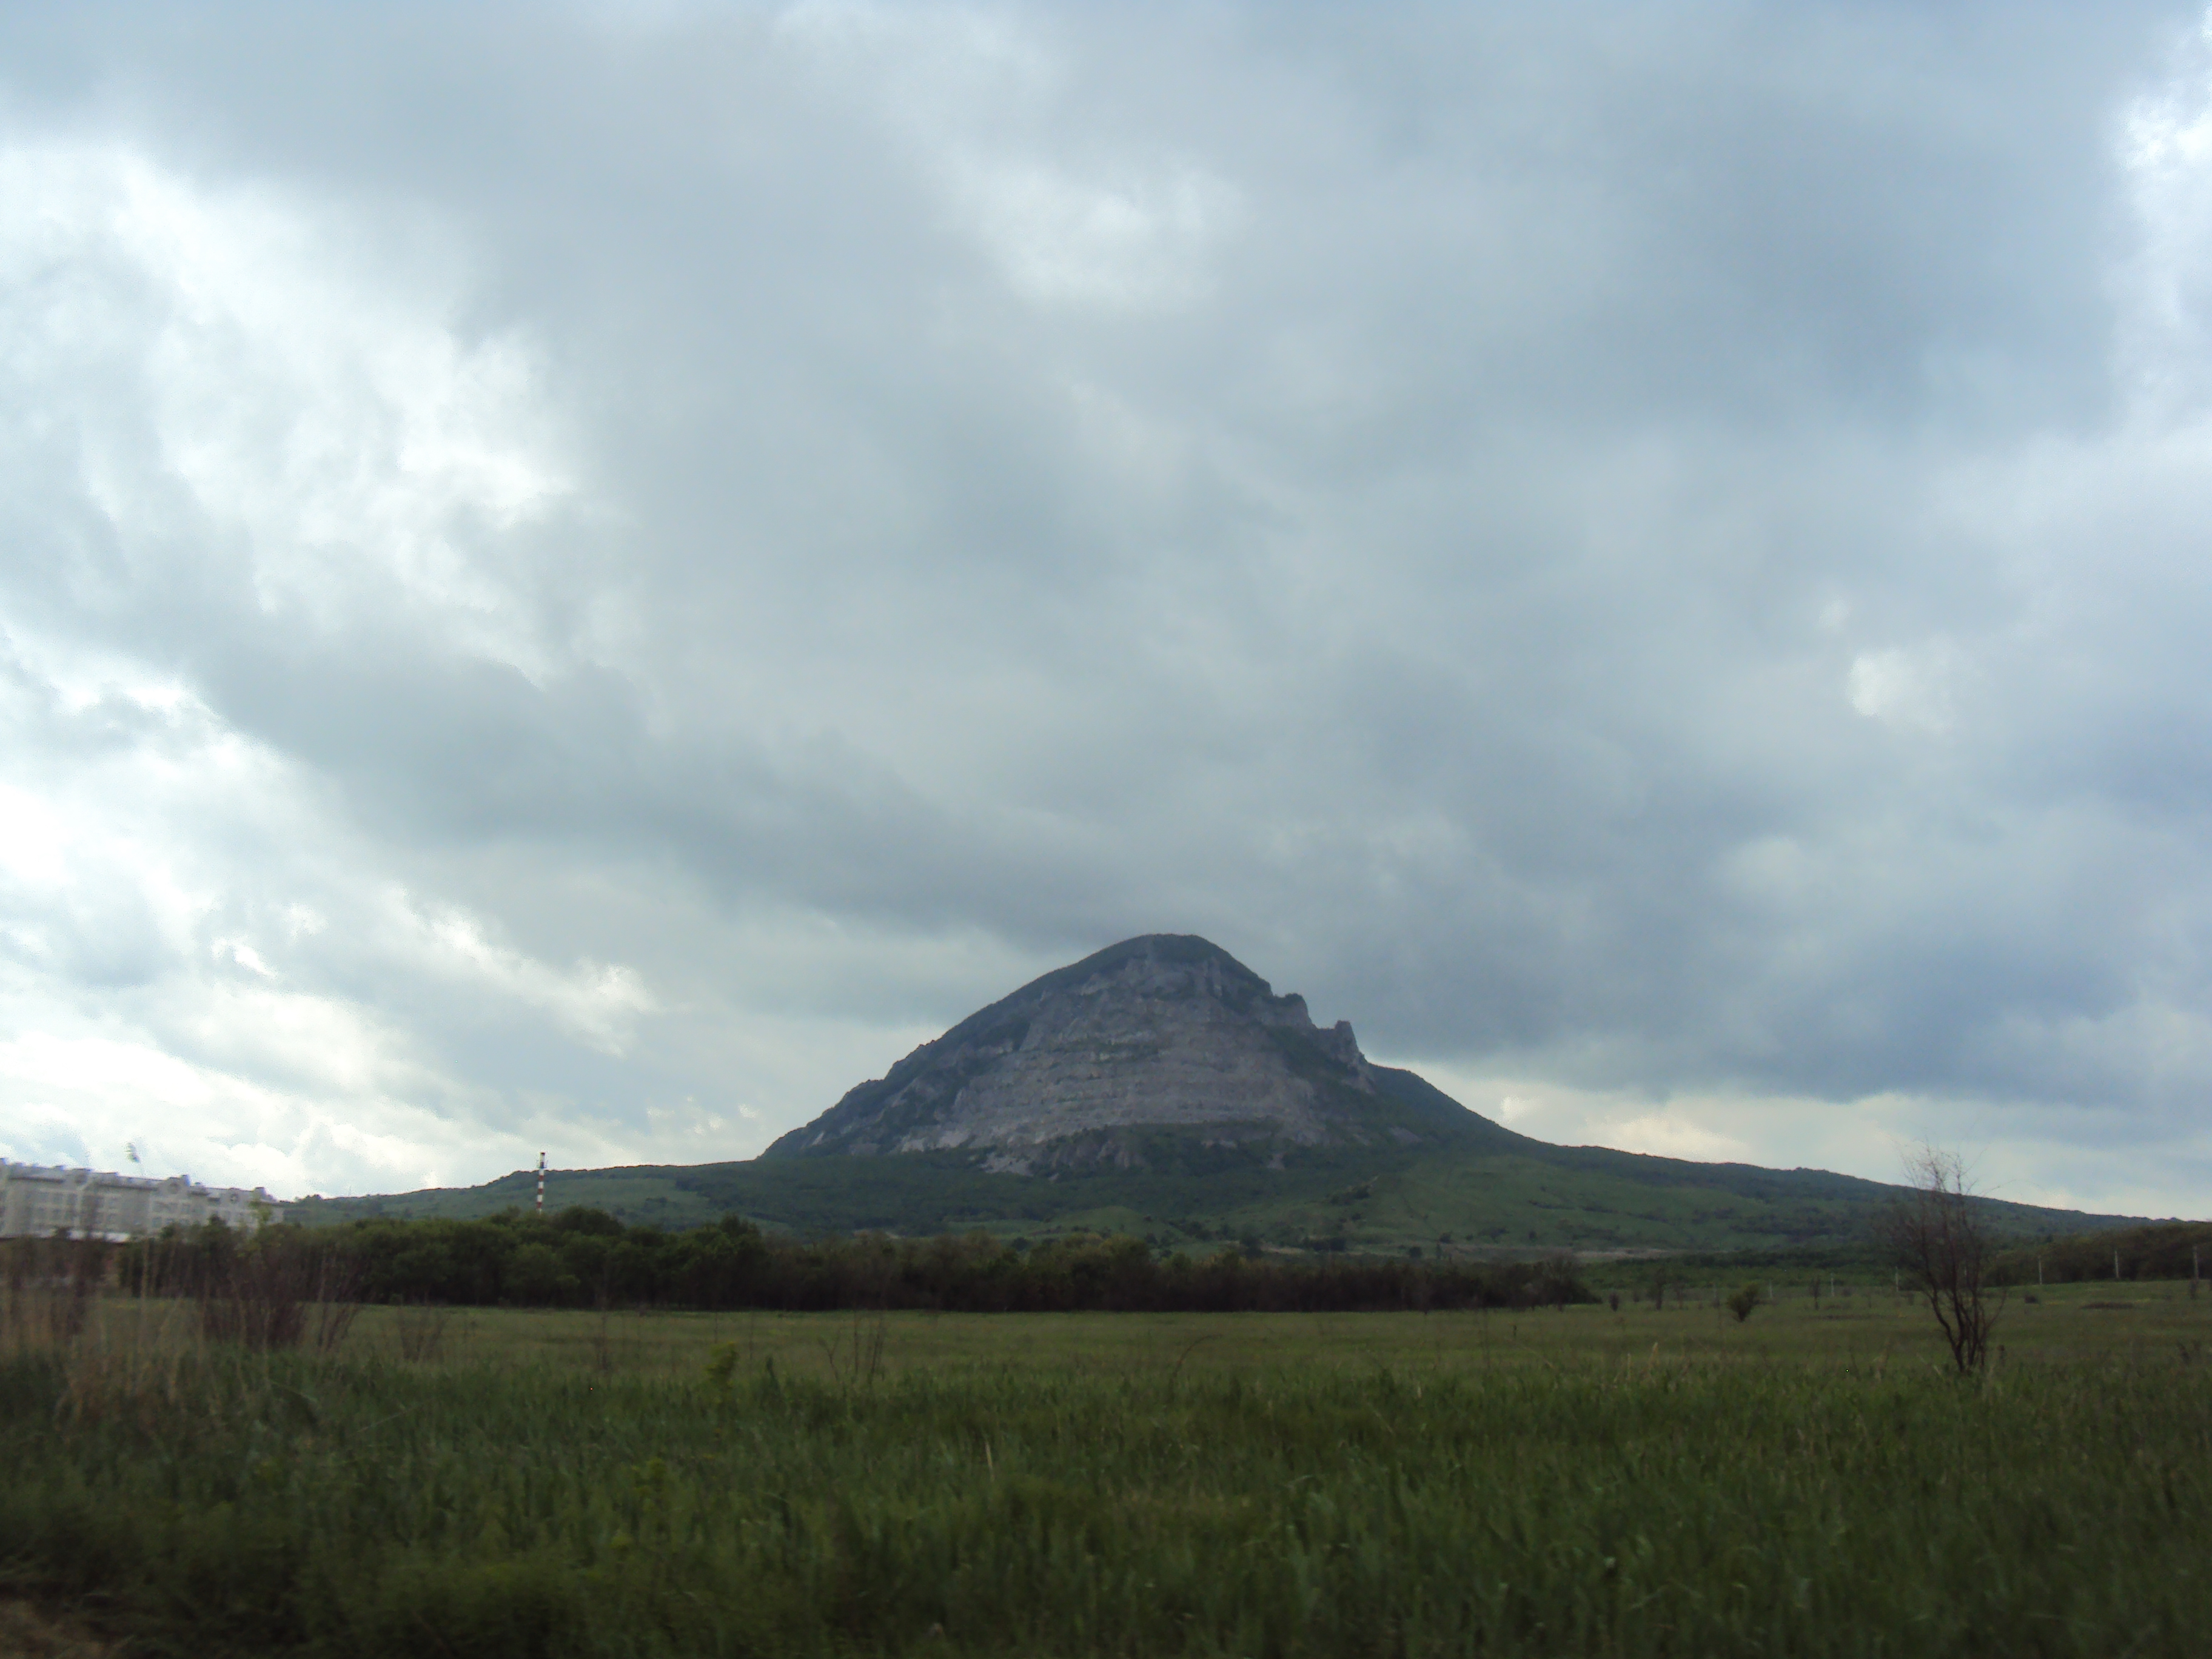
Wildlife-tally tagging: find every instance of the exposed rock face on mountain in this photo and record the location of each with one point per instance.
(1166, 1033)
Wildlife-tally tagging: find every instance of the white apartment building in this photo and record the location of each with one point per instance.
(39, 1202)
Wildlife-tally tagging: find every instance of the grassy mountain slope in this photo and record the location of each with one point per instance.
(1471, 1184)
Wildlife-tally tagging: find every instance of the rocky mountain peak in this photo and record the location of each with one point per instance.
(1165, 1032)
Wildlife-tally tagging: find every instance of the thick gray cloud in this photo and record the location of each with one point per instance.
(583, 579)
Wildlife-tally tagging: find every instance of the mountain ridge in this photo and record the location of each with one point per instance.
(1306, 1144)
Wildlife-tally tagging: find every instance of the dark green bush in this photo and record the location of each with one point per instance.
(261, 1290)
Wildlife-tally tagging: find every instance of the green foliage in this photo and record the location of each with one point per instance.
(1744, 1303)
(1048, 1505)
(593, 1260)
(2168, 1250)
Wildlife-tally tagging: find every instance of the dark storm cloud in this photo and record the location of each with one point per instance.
(1652, 552)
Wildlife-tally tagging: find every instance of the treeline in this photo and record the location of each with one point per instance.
(582, 1258)
(2169, 1249)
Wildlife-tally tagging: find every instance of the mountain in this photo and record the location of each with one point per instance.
(1090, 1065)
(1161, 1087)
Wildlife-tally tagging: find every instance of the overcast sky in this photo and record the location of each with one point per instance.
(584, 579)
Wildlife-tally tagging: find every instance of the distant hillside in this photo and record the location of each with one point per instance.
(1161, 1088)
(1516, 1194)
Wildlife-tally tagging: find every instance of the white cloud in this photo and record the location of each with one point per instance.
(600, 1001)
(1131, 245)
(244, 955)
(34, 837)
(229, 382)
(972, 92)
(2167, 287)
(226, 390)
(1911, 689)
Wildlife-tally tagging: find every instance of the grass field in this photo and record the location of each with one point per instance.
(2071, 1324)
(1586, 1482)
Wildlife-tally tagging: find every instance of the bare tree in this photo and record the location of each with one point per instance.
(1942, 1246)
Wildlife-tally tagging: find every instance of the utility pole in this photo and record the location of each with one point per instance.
(541, 1186)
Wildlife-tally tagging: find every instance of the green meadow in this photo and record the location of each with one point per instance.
(1630, 1481)
(1864, 1327)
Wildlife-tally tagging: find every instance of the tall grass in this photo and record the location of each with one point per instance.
(263, 1504)
(47, 1290)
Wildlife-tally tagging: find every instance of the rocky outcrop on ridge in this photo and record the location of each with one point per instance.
(1167, 1033)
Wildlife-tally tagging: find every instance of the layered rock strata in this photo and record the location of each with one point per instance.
(1163, 1033)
